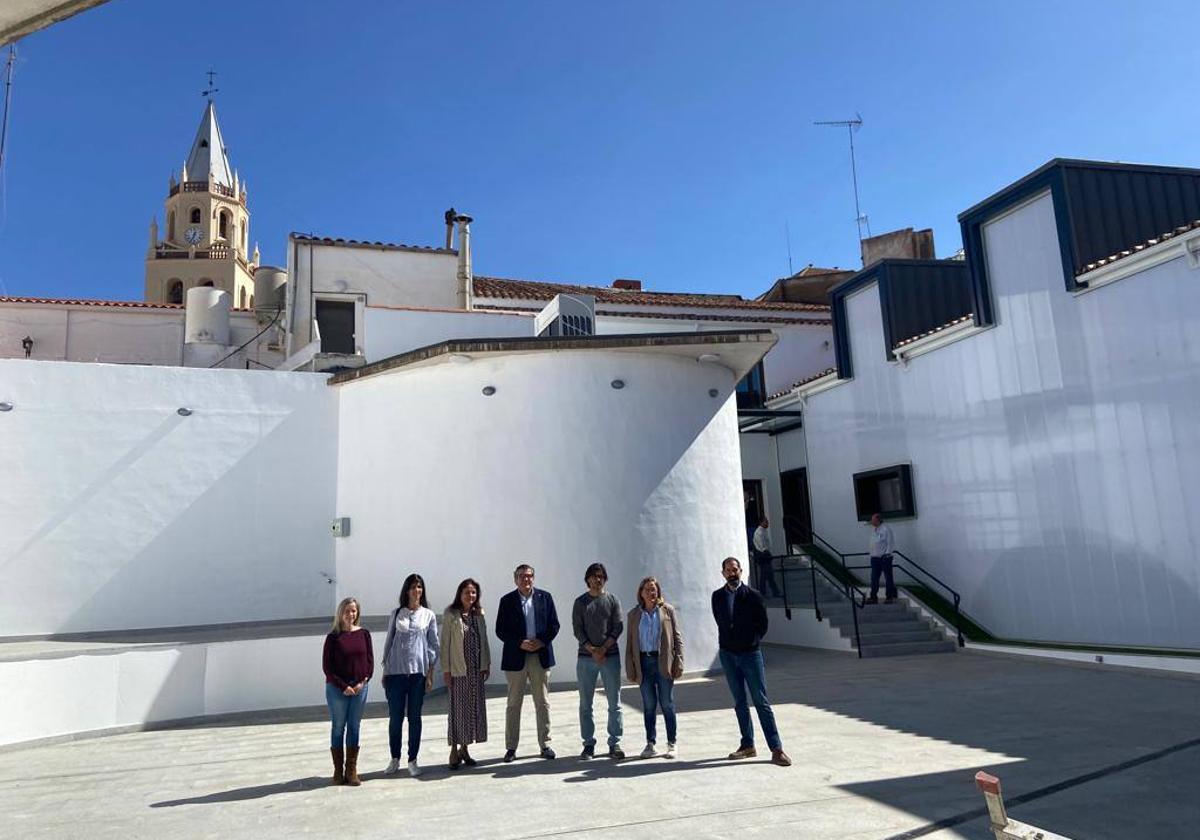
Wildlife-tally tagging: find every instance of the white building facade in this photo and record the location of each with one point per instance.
(1047, 439)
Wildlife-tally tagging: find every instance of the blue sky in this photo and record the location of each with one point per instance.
(669, 142)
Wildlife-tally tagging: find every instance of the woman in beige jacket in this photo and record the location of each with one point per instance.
(654, 659)
(466, 660)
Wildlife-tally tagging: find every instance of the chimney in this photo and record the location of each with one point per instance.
(450, 216)
(627, 285)
(464, 260)
(905, 244)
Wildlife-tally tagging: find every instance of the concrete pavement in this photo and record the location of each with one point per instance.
(882, 748)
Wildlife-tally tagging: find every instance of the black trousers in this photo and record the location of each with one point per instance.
(766, 574)
(882, 565)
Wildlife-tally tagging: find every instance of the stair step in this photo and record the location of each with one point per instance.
(888, 637)
(844, 616)
(908, 648)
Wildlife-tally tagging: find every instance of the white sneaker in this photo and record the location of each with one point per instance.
(670, 751)
(392, 767)
(649, 752)
(414, 769)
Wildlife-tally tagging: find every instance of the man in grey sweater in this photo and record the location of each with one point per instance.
(596, 619)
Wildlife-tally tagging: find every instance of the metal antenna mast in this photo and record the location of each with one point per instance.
(851, 127)
(8, 77)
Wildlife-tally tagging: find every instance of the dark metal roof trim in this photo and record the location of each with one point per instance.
(533, 344)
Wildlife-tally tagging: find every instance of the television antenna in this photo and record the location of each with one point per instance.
(852, 126)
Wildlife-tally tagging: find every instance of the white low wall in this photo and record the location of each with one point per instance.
(118, 513)
(803, 630)
(45, 698)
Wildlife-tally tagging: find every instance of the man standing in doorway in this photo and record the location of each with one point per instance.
(881, 547)
(596, 620)
(527, 623)
(741, 620)
(762, 558)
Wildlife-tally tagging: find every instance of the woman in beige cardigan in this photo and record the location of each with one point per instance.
(654, 659)
(467, 660)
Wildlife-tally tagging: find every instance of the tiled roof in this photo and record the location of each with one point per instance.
(120, 304)
(498, 287)
(945, 326)
(363, 243)
(124, 304)
(1128, 252)
(675, 316)
(803, 381)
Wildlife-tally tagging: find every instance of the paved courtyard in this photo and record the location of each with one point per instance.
(882, 749)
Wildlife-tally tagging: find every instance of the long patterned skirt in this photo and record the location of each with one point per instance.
(468, 712)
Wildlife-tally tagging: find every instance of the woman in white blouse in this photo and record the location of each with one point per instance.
(409, 656)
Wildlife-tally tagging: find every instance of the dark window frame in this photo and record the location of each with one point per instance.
(866, 492)
(754, 395)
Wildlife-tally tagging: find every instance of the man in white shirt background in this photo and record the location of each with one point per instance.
(881, 547)
(762, 558)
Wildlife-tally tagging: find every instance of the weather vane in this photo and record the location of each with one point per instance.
(210, 90)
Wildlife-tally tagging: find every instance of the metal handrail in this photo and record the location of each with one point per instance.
(845, 590)
(954, 596)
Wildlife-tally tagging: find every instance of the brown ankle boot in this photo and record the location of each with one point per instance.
(352, 767)
(339, 757)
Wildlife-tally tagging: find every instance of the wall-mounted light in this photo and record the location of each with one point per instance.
(27, 344)
(488, 390)
(618, 384)
(6, 406)
(184, 412)
(712, 392)
(708, 358)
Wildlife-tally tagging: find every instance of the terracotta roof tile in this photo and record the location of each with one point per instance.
(498, 287)
(945, 326)
(674, 316)
(803, 381)
(120, 304)
(1128, 252)
(124, 304)
(363, 243)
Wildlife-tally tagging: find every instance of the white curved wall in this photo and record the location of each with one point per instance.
(557, 469)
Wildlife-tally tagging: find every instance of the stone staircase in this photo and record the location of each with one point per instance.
(884, 629)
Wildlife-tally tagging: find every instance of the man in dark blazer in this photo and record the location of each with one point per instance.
(527, 623)
(741, 620)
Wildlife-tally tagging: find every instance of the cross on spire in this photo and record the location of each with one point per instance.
(210, 90)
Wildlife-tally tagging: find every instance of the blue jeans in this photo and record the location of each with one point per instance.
(742, 671)
(586, 671)
(346, 713)
(405, 695)
(657, 688)
(882, 566)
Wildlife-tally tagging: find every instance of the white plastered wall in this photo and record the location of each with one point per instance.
(1053, 456)
(556, 469)
(118, 513)
(390, 332)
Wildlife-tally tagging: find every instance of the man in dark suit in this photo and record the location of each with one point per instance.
(527, 623)
(741, 620)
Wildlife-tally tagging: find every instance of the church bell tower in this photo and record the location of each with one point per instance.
(206, 232)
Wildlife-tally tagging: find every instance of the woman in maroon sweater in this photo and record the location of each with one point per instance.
(348, 662)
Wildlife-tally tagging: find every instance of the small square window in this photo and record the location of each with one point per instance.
(887, 491)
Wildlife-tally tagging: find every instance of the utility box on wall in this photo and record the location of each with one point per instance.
(341, 526)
